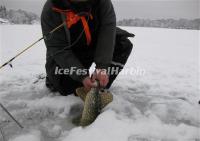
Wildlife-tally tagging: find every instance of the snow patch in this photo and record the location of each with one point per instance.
(34, 136)
(3, 21)
(109, 126)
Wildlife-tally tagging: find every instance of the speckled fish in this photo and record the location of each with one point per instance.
(92, 107)
(94, 101)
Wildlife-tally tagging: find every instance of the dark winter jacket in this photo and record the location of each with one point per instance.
(100, 51)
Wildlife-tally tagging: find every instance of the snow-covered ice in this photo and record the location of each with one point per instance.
(159, 104)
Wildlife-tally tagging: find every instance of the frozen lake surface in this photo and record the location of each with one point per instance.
(159, 104)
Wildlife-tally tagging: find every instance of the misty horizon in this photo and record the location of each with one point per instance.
(144, 9)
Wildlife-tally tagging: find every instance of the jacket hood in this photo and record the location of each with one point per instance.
(78, 6)
(61, 4)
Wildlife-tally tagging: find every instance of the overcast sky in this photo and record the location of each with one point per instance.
(152, 9)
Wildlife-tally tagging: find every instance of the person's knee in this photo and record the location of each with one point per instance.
(123, 49)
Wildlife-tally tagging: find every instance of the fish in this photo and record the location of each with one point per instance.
(94, 101)
(92, 107)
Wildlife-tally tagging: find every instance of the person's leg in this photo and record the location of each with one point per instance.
(50, 85)
(122, 51)
(68, 85)
(63, 84)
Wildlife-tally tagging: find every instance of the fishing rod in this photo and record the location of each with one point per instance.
(12, 117)
(47, 36)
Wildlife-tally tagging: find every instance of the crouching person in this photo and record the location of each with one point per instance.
(89, 36)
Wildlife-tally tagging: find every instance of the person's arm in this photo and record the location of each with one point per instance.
(66, 59)
(106, 34)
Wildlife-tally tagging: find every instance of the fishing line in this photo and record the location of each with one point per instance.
(47, 37)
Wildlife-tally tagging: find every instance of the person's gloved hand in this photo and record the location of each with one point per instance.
(88, 83)
(102, 76)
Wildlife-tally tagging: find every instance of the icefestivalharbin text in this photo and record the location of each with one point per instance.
(110, 71)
